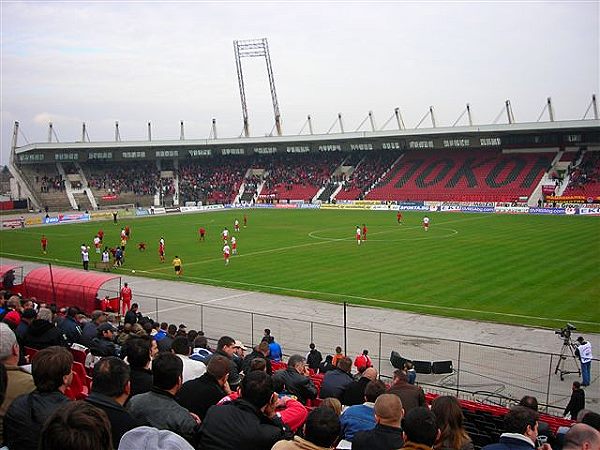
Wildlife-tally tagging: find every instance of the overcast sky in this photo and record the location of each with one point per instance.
(98, 62)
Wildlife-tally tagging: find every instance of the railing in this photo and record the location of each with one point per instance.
(483, 371)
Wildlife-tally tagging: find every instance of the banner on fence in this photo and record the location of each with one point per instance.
(551, 211)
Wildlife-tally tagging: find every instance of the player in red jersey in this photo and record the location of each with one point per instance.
(44, 242)
(399, 217)
(226, 253)
(127, 232)
(202, 233)
(101, 234)
(245, 220)
(364, 232)
(126, 296)
(358, 233)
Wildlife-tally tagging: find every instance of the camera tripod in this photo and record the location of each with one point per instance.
(568, 347)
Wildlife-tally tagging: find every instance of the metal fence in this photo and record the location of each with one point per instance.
(497, 373)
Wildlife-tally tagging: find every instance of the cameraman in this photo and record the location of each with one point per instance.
(584, 351)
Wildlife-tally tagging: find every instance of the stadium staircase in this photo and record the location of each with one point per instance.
(327, 192)
(446, 175)
(86, 187)
(24, 187)
(68, 187)
(546, 179)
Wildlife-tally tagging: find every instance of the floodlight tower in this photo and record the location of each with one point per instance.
(255, 48)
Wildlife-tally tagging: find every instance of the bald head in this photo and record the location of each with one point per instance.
(582, 437)
(388, 410)
(370, 373)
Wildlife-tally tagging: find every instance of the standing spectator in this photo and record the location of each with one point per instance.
(51, 369)
(70, 326)
(584, 351)
(420, 429)
(226, 348)
(133, 316)
(85, 257)
(314, 357)
(361, 417)
(249, 422)
(576, 402)
(275, 352)
(321, 431)
(126, 296)
(158, 407)
(338, 355)
(355, 391)
(449, 420)
(164, 344)
(387, 434)
(139, 355)
(297, 380)
(75, 426)
(43, 332)
(326, 365)
(201, 393)
(363, 361)
(8, 281)
(261, 351)
(521, 431)
(337, 380)
(18, 381)
(191, 369)
(411, 395)
(110, 391)
(90, 329)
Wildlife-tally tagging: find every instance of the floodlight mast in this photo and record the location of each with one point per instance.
(255, 48)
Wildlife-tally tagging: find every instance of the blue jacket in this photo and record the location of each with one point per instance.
(275, 351)
(510, 443)
(357, 418)
(335, 383)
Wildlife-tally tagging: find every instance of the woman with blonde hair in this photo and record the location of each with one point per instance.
(332, 403)
(449, 417)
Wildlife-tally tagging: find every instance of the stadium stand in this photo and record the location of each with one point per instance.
(367, 171)
(446, 175)
(585, 177)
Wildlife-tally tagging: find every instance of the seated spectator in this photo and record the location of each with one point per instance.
(110, 391)
(592, 419)
(201, 350)
(420, 429)
(238, 354)
(18, 381)
(361, 417)
(162, 331)
(51, 370)
(337, 380)
(133, 315)
(102, 344)
(355, 391)
(543, 427)
(140, 351)
(581, 437)
(521, 431)
(90, 329)
(576, 402)
(70, 326)
(411, 395)
(338, 355)
(191, 369)
(199, 394)
(149, 438)
(333, 404)
(164, 344)
(387, 434)
(326, 365)
(27, 316)
(321, 431)
(297, 380)
(314, 357)
(449, 419)
(76, 426)
(261, 351)
(226, 348)
(43, 332)
(158, 408)
(249, 422)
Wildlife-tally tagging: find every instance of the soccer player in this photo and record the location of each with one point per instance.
(101, 234)
(85, 257)
(236, 226)
(97, 243)
(106, 259)
(358, 232)
(123, 234)
(202, 233)
(126, 296)
(225, 234)
(161, 249)
(226, 253)
(177, 265)
(127, 231)
(364, 232)
(142, 246)
(399, 217)
(245, 220)
(44, 242)
(233, 245)
(426, 223)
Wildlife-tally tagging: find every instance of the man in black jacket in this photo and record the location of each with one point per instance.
(297, 380)
(139, 355)
(354, 393)
(70, 326)
(51, 370)
(387, 433)
(43, 332)
(577, 401)
(313, 358)
(102, 344)
(110, 391)
(201, 393)
(249, 422)
(226, 348)
(260, 351)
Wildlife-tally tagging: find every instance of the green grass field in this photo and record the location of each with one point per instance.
(530, 270)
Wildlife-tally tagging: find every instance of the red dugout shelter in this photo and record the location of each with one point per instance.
(17, 286)
(72, 287)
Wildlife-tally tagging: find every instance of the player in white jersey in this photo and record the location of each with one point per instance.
(226, 253)
(233, 245)
(358, 232)
(426, 223)
(97, 244)
(236, 225)
(225, 234)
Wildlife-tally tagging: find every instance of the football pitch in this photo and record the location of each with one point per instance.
(529, 270)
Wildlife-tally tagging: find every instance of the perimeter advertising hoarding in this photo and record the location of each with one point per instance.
(589, 211)
(550, 211)
(512, 209)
